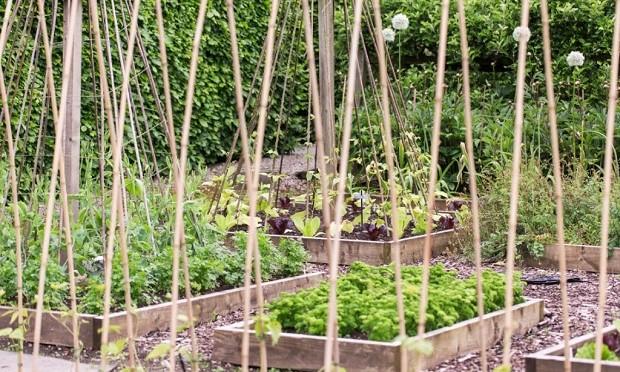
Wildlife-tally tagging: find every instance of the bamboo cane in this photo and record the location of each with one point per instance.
(389, 156)
(557, 175)
(116, 210)
(432, 180)
(180, 180)
(242, 131)
(608, 170)
(331, 246)
(252, 244)
(107, 104)
(161, 33)
(4, 34)
(473, 188)
(514, 185)
(14, 192)
(57, 163)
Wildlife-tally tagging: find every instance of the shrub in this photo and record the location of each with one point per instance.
(536, 224)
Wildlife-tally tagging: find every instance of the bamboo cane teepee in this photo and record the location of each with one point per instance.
(120, 108)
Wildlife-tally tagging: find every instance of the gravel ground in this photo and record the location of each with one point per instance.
(292, 173)
(583, 297)
(583, 306)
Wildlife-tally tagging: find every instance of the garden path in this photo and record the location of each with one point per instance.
(8, 363)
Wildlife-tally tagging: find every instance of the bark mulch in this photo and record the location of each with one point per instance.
(583, 300)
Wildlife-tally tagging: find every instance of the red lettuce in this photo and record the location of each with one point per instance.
(373, 231)
(279, 225)
(446, 222)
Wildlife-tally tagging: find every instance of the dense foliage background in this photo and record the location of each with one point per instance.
(214, 118)
(584, 26)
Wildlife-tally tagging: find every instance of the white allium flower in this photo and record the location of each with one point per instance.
(389, 35)
(521, 32)
(400, 22)
(575, 59)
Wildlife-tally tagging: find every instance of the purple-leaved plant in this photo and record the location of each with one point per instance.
(373, 231)
(279, 225)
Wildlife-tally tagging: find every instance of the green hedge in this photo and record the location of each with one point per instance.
(214, 119)
(584, 26)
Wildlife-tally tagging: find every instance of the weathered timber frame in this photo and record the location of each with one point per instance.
(305, 352)
(552, 359)
(578, 257)
(374, 252)
(57, 329)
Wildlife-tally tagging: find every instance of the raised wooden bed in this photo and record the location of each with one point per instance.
(374, 252)
(305, 352)
(552, 359)
(57, 325)
(578, 257)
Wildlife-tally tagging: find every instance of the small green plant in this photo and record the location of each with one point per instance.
(225, 223)
(610, 347)
(160, 351)
(308, 227)
(264, 325)
(115, 350)
(404, 219)
(420, 220)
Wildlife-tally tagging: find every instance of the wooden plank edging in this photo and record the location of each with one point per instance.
(552, 358)
(374, 252)
(305, 352)
(57, 325)
(578, 257)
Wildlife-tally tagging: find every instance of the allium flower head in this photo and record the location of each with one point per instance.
(575, 59)
(521, 32)
(389, 35)
(400, 22)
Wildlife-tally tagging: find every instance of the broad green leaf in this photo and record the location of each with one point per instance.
(347, 226)
(259, 327)
(17, 334)
(5, 332)
(115, 348)
(14, 317)
(225, 223)
(159, 351)
(403, 221)
(275, 328)
(298, 220)
(311, 227)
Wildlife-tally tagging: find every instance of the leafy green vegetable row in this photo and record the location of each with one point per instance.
(367, 301)
(212, 265)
